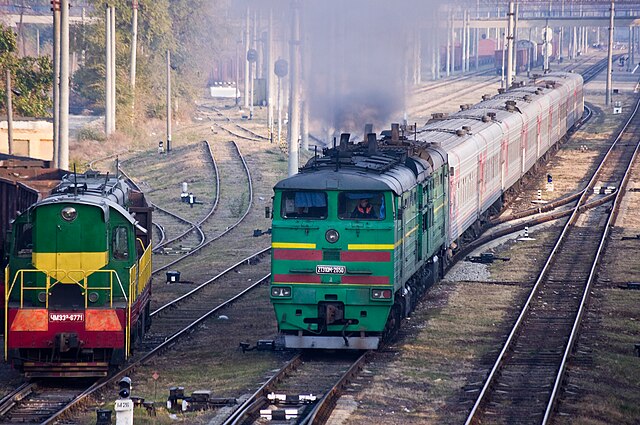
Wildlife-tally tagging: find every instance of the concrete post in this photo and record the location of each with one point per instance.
(515, 40)
(134, 45)
(463, 35)
(453, 45)
(56, 83)
(270, 74)
(510, 49)
(437, 41)
(247, 46)
(610, 55)
(294, 91)
(9, 112)
(449, 33)
(113, 69)
(169, 147)
(630, 49)
(107, 89)
(64, 85)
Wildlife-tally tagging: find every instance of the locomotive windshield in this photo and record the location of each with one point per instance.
(304, 204)
(361, 206)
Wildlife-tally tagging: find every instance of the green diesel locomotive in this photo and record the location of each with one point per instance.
(77, 281)
(356, 238)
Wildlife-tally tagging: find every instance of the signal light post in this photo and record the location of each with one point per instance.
(124, 405)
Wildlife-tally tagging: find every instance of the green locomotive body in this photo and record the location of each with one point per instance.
(342, 279)
(78, 278)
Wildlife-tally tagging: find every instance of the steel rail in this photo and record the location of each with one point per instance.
(322, 410)
(574, 214)
(213, 279)
(254, 402)
(228, 229)
(211, 210)
(592, 273)
(157, 350)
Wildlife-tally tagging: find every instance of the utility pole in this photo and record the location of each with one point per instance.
(56, 82)
(270, 65)
(610, 56)
(134, 46)
(247, 46)
(294, 91)
(107, 89)
(9, 112)
(64, 85)
(168, 101)
(113, 69)
(510, 47)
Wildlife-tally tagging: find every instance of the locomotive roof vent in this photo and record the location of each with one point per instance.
(344, 141)
(372, 143)
(395, 132)
(491, 115)
(460, 132)
(510, 105)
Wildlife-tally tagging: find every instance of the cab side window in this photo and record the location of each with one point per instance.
(24, 240)
(119, 243)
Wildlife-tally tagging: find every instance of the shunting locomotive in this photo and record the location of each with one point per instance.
(361, 232)
(78, 278)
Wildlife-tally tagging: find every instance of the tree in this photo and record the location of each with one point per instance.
(193, 30)
(32, 78)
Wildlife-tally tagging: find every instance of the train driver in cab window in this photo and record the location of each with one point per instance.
(361, 206)
(363, 209)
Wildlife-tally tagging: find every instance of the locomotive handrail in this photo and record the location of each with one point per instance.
(83, 283)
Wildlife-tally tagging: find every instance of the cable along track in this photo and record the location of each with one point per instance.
(525, 380)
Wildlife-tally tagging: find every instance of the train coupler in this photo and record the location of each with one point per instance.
(261, 345)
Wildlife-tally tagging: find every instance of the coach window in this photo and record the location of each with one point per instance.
(24, 240)
(304, 205)
(119, 243)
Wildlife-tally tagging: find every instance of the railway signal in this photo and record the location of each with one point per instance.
(124, 405)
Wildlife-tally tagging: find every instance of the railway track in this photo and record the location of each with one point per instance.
(34, 402)
(316, 377)
(194, 225)
(220, 232)
(523, 385)
(171, 317)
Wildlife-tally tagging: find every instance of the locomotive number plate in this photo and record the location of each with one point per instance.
(331, 269)
(66, 317)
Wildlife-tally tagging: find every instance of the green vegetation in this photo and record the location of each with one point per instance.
(32, 78)
(195, 32)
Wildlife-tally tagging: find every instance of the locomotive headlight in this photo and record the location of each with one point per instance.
(381, 294)
(69, 213)
(93, 297)
(332, 236)
(281, 291)
(42, 296)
